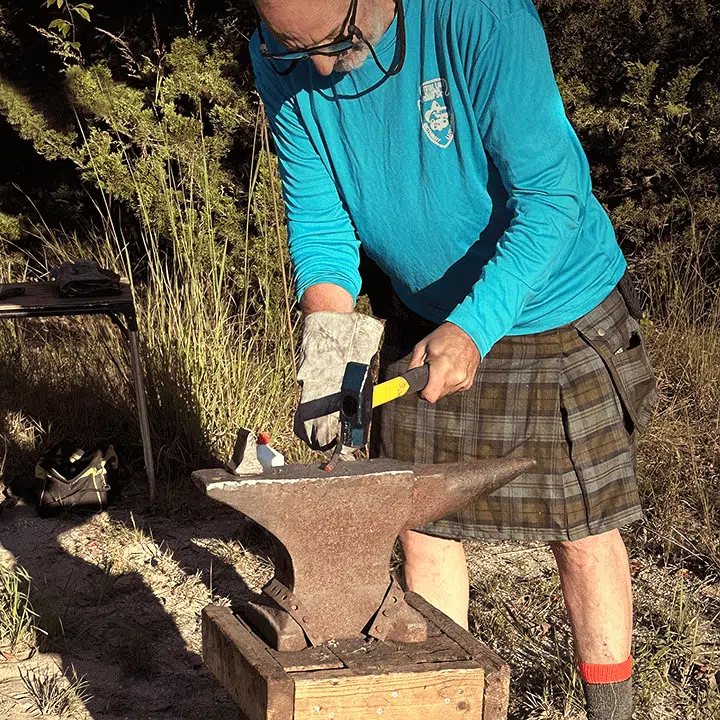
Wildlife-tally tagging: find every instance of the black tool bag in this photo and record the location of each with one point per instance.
(68, 478)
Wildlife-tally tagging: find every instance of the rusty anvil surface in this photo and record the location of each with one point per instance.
(335, 535)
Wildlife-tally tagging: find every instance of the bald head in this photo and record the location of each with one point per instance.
(303, 23)
(299, 24)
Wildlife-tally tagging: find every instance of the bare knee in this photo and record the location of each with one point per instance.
(591, 550)
(430, 549)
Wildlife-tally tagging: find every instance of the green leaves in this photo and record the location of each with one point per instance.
(641, 79)
(83, 10)
(62, 35)
(62, 26)
(641, 84)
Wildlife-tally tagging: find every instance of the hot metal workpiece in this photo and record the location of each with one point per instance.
(335, 535)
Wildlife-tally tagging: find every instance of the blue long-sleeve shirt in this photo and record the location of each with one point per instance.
(461, 176)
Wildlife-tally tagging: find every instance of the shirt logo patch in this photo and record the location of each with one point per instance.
(437, 116)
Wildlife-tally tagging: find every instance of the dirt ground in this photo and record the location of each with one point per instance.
(122, 606)
(119, 597)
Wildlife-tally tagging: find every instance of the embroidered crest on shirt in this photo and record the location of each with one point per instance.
(437, 118)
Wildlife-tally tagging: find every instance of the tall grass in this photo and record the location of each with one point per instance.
(218, 349)
(216, 322)
(679, 472)
(62, 695)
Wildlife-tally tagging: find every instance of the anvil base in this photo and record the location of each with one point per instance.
(451, 674)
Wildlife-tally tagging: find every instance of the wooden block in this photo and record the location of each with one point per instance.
(428, 692)
(497, 677)
(244, 667)
(312, 658)
(451, 674)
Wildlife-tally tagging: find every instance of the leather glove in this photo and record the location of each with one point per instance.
(330, 341)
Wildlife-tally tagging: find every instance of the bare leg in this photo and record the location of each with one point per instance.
(595, 578)
(436, 569)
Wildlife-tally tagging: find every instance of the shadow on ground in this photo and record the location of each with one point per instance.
(124, 612)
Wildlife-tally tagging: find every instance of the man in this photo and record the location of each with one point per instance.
(432, 133)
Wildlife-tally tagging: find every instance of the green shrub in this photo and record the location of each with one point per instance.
(640, 79)
(152, 144)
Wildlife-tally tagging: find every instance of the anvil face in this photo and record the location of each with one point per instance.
(339, 529)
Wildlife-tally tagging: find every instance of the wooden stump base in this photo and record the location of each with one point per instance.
(450, 675)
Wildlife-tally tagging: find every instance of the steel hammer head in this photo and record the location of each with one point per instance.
(356, 403)
(358, 398)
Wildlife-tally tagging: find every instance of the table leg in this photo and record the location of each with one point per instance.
(142, 410)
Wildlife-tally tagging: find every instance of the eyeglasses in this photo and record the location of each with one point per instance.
(345, 41)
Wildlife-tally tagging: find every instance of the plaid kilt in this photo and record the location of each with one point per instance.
(572, 398)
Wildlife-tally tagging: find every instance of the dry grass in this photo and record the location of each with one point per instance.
(217, 349)
(517, 609)
(62, 695)
(18, 633)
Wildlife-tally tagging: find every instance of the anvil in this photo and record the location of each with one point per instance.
(335, 535)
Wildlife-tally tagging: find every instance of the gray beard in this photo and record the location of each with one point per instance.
(354, 58)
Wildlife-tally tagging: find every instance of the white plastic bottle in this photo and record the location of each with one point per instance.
(268, 456)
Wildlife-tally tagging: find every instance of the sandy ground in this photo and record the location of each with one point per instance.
(122, 606)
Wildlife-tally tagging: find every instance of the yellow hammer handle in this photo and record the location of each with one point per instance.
(414, 380)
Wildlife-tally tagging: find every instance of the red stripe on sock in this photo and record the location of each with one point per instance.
(605, 674)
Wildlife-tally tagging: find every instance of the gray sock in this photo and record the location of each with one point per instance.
(609, 701)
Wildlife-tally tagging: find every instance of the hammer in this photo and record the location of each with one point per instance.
(358, 398)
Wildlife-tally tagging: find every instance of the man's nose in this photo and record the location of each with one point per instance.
(324, 64)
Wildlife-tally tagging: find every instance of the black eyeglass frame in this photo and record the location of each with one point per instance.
(344, 41)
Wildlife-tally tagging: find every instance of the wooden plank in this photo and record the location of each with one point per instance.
(369, 654)
(497, 678)
(312, 658)
(439, 648)
(43, 298)
(244, 667)
(436, 691)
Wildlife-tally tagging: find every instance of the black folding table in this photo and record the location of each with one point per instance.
(41, 299)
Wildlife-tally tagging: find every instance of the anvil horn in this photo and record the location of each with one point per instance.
(441, 489)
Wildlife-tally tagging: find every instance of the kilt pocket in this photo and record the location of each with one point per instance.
(616, 338)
